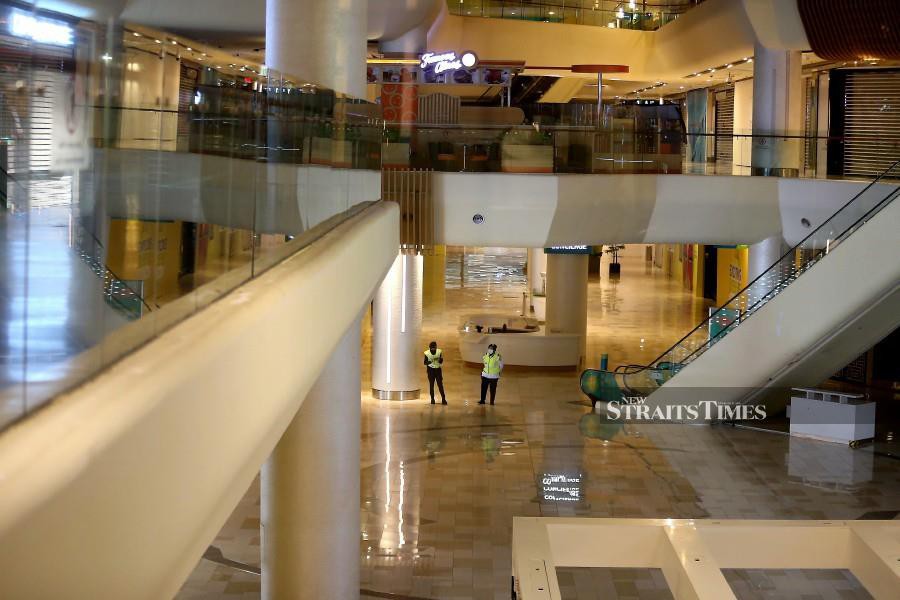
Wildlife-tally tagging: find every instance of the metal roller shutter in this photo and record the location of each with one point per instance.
(872, 121)
(724, 126)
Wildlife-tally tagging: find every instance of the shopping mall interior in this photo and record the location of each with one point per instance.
(650, 241)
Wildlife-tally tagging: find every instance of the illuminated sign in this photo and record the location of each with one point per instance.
(39, 29)
(568, 250)
(447, 61)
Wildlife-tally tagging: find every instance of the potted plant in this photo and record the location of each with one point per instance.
(613, 250)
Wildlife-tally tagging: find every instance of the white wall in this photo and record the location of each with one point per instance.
(114, 490)
(536, 211)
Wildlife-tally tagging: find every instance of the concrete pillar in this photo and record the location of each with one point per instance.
(537, 264)
(321, 41)
(567, 278)
(310, 489)
(763, 255)
(396, 331)
(777, 111)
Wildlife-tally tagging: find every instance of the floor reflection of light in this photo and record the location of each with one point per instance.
(387, 464)
(400, 506)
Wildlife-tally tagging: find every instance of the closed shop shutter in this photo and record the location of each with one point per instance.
(871, 121)
(810, 124)
(724, 126)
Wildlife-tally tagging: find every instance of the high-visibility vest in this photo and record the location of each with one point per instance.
(434, 360)
(492, 363)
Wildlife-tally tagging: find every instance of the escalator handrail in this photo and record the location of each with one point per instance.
(705, 321)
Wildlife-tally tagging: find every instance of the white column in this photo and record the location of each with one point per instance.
(396, 331)
(310, 489)
(567, 279)
(537, 264)
(763, 255)
(777, 111)
(321, 41)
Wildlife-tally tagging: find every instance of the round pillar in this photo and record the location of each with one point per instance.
(777, 111)
(310, 489)
(396, 331)
(320, 41)
(764, 254)
(567, 279)
(537, 270)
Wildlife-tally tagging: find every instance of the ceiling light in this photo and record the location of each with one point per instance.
(157, 41)
(136, 34)
(551, 13)
(712, 70)
(174, 42)
(728, 66)
(189, 49)
(681, 87)
(749, 60)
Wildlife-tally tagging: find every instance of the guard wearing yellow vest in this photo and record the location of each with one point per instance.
(490, 374)
(434, 358)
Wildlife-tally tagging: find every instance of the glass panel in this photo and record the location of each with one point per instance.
(143, 176)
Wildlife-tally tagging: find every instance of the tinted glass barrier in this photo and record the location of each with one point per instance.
(143, 177)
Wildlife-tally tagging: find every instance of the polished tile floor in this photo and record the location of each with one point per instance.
(440, 485)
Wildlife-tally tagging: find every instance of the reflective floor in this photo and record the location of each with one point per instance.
(440, 485)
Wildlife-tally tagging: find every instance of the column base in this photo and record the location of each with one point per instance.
(398, 395)
(774, 172)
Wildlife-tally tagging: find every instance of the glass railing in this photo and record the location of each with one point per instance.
(613, 149)
(143, 177)
(639, 14)
(640, 380)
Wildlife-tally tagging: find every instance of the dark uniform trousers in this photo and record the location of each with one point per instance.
(435, 375)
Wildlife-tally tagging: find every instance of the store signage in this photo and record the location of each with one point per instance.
(39, 29)
(568, 250)
(447, 61)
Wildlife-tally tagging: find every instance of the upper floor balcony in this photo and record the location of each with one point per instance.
(628, 14)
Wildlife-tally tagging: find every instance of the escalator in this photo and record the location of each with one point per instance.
(824, 302)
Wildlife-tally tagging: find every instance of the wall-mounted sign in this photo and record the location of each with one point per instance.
(568, 250)
(39, 29)
(447, 61)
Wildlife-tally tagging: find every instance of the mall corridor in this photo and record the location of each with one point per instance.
(440, 485)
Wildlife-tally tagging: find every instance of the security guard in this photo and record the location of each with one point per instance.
(434, 358)
(490, 374)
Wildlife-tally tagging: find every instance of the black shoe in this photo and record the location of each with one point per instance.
(492, 402)
(482, 402)
(432, 400)
(444, 402)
